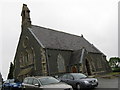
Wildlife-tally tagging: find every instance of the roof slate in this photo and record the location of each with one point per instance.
(60, 40)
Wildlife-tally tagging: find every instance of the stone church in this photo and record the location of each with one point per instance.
(44, 51)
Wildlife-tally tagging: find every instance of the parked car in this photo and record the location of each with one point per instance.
(45, 83)
(79, 80)
(11, 83)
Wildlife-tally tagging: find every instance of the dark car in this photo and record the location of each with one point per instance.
(11, 83)
(79, 80)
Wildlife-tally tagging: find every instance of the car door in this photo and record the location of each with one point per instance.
(29, 83)
(64, 78)
(24, 84)
(70, 79)
(36, 83)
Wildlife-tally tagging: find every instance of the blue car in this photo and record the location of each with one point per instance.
(11, 83)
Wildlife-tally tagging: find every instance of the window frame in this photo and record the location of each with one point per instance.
(30, 83)
(25, 81)
(69, 77)
(37, 81)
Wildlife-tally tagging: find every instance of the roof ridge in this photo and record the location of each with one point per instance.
(58, 31)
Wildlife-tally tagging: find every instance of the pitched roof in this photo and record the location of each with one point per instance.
(49, 38)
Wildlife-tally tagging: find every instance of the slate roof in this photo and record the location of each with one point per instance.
(49, 38)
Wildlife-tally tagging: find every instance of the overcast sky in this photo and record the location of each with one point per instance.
(97, 20)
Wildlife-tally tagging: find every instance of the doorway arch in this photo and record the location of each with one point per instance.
(74, 69)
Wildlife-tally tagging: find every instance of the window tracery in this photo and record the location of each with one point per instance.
(61, 63)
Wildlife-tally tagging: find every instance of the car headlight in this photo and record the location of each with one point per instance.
(14, 85)
(86, 82)
(96, 80)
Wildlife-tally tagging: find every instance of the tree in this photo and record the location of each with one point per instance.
(114, 62)
(10, 75)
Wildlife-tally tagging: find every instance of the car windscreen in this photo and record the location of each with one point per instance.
(9, 81)
(48, 80)
(79, 76)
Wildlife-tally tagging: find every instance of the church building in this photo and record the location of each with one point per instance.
(43, 51)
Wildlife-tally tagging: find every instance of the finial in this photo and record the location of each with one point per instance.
(81, 35)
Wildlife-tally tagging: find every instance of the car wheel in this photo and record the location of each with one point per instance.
(78, 86)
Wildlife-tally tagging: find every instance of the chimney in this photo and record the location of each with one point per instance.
(26, 22)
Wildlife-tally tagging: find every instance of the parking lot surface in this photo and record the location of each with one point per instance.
(108, 83)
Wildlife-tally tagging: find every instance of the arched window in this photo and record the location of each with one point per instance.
(25, 42)
(61, 63)
(25, 58)
(21, 60)
(31, 55)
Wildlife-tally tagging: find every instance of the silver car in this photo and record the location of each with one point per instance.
(45, 83)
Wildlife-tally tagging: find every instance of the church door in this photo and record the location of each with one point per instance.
(74, 69)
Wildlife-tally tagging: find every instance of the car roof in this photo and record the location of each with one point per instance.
(76, 73)
(72, 73)
(39, 77)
